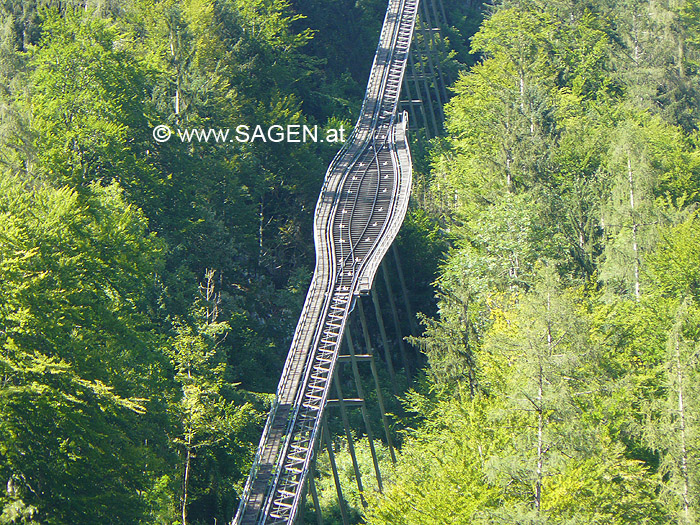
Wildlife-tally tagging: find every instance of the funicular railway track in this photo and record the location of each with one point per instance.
(359, 212)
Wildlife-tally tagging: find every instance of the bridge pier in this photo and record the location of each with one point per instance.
(326, 438)
(397, 324)
(404, 291)
(349, 437)
(375, 376)
(424, 65)
(358, 214)
(354, 357)
(314, 497)
(363, 407)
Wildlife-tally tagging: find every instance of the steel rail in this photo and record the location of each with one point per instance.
(353, 196)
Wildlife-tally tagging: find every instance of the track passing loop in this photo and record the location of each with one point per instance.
(361, 207)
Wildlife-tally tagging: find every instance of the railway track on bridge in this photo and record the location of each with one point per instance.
(361, 207)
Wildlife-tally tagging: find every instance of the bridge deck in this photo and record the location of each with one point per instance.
(360, 209)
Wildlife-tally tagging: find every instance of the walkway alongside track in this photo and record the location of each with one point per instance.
(361, 207)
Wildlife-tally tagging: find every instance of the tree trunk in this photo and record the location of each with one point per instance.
(509, 178)
(540, 425)
(635, 36)
(261, 226)
(468, 351)
(185, 481)
(635, 228)
(174, 52)
(682, 432)
(540, 414)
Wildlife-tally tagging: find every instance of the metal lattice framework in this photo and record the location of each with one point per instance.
(361, 207)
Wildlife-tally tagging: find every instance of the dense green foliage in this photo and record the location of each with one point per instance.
(149, 291)
(563, 362)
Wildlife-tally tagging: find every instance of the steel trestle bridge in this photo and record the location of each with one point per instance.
(361, 207)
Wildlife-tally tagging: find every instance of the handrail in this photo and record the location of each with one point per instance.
(339, 275)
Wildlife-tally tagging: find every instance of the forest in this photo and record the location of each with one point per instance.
(149, 291)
